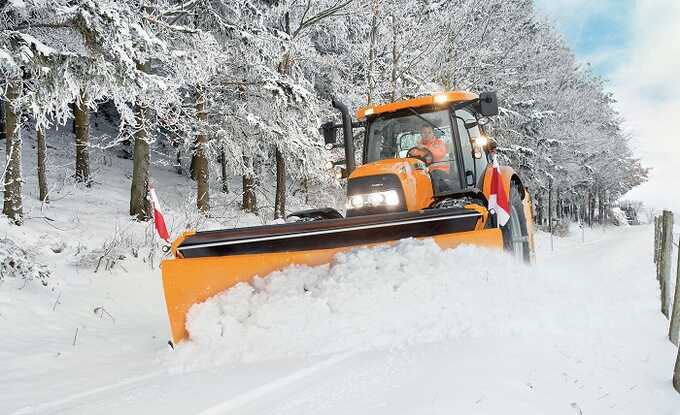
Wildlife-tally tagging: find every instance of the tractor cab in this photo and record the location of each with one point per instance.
(442, 130)
(425, 149)
(449, 142)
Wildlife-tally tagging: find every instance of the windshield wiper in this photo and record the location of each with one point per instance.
(417, 114)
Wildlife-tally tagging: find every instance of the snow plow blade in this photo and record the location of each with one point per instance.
(207, 263)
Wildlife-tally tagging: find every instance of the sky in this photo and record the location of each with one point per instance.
(635, 45)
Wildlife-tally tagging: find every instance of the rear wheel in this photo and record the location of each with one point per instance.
(515, 235)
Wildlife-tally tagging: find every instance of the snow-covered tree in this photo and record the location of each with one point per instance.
(241, 86)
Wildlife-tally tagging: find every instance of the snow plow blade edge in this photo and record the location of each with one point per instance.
(207, 263)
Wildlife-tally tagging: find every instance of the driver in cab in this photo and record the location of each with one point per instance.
(434, 152)
(436, 146)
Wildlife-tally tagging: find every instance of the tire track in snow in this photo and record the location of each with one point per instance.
(276, 385)
(82, 395)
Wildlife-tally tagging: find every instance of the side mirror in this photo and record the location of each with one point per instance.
(488, 104)
(329, 133)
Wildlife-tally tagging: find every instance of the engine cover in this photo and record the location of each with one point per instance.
(409, 177)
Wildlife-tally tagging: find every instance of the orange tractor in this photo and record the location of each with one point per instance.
(425, 173)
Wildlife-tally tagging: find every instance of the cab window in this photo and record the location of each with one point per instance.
(474, 168)
(393, 135)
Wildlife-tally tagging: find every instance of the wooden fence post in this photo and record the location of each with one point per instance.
(674, 330)
(657, 243)
(676, 373)
(665, 260)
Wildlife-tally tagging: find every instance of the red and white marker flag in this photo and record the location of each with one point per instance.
(498, 198)
(158, 219)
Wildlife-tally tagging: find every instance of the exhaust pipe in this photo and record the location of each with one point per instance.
(348, 135)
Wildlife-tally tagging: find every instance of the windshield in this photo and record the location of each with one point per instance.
(393, 135)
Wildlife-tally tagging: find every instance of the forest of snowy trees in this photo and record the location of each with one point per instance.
(226, 88)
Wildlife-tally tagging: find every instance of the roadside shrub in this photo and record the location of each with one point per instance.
(15, 262)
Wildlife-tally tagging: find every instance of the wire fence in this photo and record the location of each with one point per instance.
(664, 254)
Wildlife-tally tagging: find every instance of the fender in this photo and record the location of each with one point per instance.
(508, 174)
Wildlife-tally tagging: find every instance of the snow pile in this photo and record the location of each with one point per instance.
(618, 217)
(15, 262)
(384, 297)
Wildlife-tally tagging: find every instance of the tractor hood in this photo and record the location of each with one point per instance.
(388, 166)
(408, 177)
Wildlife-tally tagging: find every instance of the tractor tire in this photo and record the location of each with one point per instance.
(515, 234)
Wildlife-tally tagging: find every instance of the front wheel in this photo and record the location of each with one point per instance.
(515, 235)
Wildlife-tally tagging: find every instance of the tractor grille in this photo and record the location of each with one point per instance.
(377, 183)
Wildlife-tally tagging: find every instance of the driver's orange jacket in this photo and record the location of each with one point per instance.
(439, 151)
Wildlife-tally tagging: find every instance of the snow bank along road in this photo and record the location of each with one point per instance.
(406, 329)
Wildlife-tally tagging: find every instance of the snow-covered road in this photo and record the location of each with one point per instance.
(578, 333)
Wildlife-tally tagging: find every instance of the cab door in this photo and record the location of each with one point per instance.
(474, 156)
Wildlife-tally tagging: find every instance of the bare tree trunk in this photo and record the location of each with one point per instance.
(395, 58)
(12, 206)
(201, 154)
(192, 165)
(371, 52)
(305, 188)
(42, 161)
(280, 202)
(178, 160)
(139, 203)
(537, 209)
(223, 168)
(280, 197)
(249, 197)
(550, 209)
(82, 127)
(601, 207)
(591, 208)
(2, 121)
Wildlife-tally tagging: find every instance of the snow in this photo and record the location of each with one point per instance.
(578, 331)
(401, 329)
(40, 47)
(385, 297)
(558, 337)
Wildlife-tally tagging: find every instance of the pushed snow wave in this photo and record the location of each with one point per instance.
(383, 297)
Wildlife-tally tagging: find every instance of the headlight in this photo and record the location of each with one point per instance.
(441, 98)
(481, 141)
(387, 198)
(356, 202)
(376, 199)
(392, 198)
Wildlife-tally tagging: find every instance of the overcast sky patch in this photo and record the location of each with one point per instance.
(636, 45)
